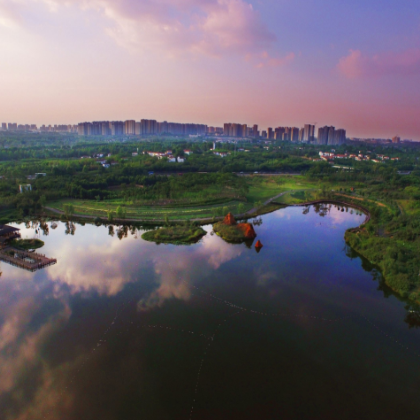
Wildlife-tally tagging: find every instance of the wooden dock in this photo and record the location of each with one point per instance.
(30, 261)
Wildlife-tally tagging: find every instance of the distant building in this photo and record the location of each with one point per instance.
(255, 132)
(294, 134)
(130, 127)
(396, 139)
(308, 132)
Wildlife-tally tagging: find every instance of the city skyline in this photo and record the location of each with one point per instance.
(350, 64)
(307, 133)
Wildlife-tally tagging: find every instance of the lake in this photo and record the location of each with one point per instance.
(123, 329)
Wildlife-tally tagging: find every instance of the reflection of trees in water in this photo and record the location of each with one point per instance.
(257, 222)
(412, 318)
(122, 232)
(306, 210)
(322, 209)
(44, 227)
(70, 228)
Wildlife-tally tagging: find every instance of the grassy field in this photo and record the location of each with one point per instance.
(102, 208)
(261, 189)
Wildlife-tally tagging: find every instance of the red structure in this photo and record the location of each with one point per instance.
(258, 245)
(229, 220)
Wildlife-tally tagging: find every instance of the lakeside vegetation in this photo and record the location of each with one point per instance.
(178, 235)
(206, 187)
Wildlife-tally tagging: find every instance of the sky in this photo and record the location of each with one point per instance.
(352, 64)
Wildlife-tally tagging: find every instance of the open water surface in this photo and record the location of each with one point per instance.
(123, 329)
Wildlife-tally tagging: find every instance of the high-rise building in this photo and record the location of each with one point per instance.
(340, 136)
(117, 128)
(331, 135)
(301, 133)
(396, 139)
(129, 127)
(3, 126)
(12, 126)
(308, 132)
(270, 133)
(294, 134)
(82, 129)
(278, 133)
(244, 132)
(255, 132)
(323, 135)
(226, 129)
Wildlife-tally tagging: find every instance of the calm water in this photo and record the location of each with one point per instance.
(125, 329)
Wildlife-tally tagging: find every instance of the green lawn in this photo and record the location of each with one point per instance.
(264, 188)
(261, 189)
(101, 209)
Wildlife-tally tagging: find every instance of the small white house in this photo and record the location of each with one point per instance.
(181, 160)
(171, 158)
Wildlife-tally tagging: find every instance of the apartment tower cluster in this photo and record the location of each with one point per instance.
(331, 136)
(143, 127)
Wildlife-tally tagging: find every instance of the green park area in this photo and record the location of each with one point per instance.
(68, 180)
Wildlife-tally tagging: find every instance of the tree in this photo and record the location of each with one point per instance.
(120, 212)
(68, 209)
(241, 208)
(43, 200)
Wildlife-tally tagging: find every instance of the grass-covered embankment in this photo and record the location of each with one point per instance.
(27, 244)
(178, 235)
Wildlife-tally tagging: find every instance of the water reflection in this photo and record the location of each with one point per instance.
(121, 328)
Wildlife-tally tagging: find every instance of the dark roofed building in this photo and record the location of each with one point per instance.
(7, 231)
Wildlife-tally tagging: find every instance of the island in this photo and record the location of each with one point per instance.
(178, 235)
(231, 231)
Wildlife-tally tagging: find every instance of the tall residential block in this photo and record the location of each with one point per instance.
(294, 134)
(255, 132)
(129, 127)
(308, 132)
(323, 135)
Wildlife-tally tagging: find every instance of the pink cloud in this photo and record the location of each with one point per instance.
(268, 61)
(358, 65)
(174, 27)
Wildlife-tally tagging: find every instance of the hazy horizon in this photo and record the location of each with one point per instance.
(273, 63)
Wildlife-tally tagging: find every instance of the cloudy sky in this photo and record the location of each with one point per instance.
(353, 64)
